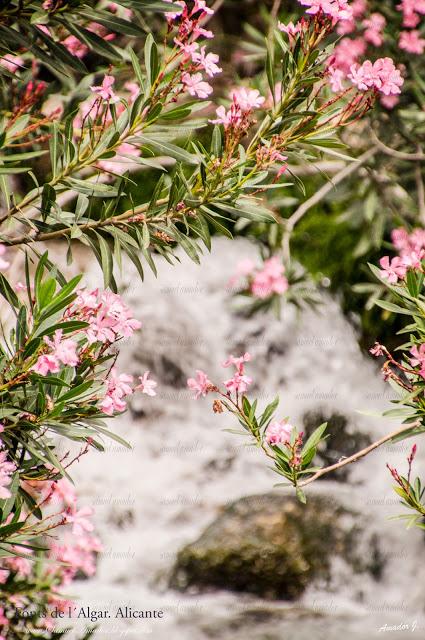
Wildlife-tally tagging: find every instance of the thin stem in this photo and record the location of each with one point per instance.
(322, 193)
(421, 191)
(96, 224)
(400, 155)
(355, 456)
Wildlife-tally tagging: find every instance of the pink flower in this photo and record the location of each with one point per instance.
(78, 556)
(410, 9)
(390, 79)
(417, 239)
(200, 31)
(336, 9)
(290, 29)
(270, 279)
(336, 76)
(358, 7)
(90, 543)
(229, 119)
(147, 386)
(376, 350)
(345, 27)
(374, 26)
(11, 63)
(412, 259)
(87, 300)
(238, 383)
(393, 270)
(196, 86)
(75, 47)
(238, 362)
(400, 239)
(381, 75)
(4, 264)
(201, 384)
(64, 490)
(200, 5)
(108, 316)
(44, 29)
(118, 387)
(79, 521)
(188, 48)
(105, 90)
(3, 620)
(278, 432)
(7, 468)
(46, 364)
(346, 53)
(21, 566)
(133, 89)
(4, 574)
(65, 350)
(412, 42)
(207, 61)
(418, 356)
(247, 99)
(179, 6)
(389, 102)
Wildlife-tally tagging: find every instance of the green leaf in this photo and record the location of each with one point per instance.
(315, 438)
(301, 495)
(151, 61)
(137, 69)
(269, 411)
(169, 149)
(389, 306)
(7, 292)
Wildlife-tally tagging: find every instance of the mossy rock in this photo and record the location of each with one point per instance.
(268, 545)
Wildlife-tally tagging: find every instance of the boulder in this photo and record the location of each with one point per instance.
(269, 545)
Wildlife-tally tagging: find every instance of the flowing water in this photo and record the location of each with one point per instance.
(183, 467)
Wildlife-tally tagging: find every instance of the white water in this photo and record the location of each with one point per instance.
(183, 468)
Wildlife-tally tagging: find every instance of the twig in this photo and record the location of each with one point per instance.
(355, 456)
(95, 224)
(421, 191)
(322, 192)
(275, 10)
(400, 155)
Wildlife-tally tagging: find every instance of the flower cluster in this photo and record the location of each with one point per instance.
(364, 34)
(411, 249)
(238, 383)
(72, 552)
(381, 75)
(194, 59)
(279, 432)
(119, 387)
(244, 101)
(261, 282)
(335, 9)
(108, 319)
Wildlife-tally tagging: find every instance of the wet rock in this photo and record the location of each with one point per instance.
(269, 545)
(343, 440)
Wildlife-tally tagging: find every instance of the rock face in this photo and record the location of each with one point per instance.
(344, 439)
(268, 545)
